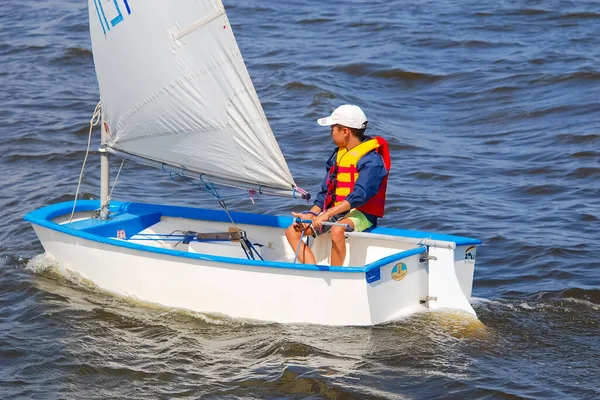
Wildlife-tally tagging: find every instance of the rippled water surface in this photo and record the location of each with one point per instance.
(492, 109)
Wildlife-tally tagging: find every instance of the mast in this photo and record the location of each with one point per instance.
(104, 172)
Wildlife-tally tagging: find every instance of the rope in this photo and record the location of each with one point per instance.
(93, 122)
(224, 205)
(299, 244)
(421, 243)
(207, 187)
(116, 178)
(304, 193)
(210, 187)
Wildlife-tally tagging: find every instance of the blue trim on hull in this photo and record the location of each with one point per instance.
(138, 216)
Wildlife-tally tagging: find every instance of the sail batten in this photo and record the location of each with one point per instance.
(174, 89)
(217, 12)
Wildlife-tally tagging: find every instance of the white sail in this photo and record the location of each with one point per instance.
(174, 89)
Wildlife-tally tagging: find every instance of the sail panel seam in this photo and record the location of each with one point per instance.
(167, 88)
(210, 128)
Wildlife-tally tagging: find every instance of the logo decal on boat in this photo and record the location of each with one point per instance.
(399, 272)
(470, 253)
(121, 234)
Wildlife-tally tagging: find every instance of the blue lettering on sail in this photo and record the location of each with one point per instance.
(101, 15)
(112, 11)
(119, 17)
(127, 6)
(98, 14)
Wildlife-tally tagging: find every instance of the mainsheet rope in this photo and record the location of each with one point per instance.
(212, 189)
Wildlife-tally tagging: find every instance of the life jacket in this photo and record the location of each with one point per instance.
(343, 175)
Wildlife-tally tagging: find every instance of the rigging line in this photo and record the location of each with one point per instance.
(93, 122)
(212, 189)
(116, 179)
(299, 245)
(224, 205)
(207, 188)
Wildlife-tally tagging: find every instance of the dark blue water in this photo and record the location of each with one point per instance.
(492, 109)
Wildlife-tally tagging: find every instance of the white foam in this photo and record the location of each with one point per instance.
(42, 263)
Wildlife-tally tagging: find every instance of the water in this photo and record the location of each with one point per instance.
(493, 115)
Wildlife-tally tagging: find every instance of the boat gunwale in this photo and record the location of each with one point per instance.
(44, 216)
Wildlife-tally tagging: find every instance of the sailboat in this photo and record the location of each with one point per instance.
(175, 94)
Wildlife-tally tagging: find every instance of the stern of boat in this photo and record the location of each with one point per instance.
(439, 277)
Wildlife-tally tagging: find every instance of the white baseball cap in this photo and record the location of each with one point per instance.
(347, 115)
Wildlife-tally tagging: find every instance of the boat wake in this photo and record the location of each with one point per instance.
(47, 266)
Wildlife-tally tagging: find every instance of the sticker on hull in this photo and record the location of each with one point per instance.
(399, 272)
(470, 253)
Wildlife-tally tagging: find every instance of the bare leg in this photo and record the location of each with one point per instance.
(338, 242)
(305, 254)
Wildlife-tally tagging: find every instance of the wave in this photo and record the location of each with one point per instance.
(590, 295)
(586, 154)
(534, 171)
(300, 86)
(60, 157)
(473, 43)
(431, 176)
(249, 8)
(542, 190)
(578, 75)
(315, 21)
(589, 218)
(504, 89)
(577, 138)
(395, 146)
(525, 12)
(74, 55)
(77, 52)
(375, 26)
(285, 348)
(297, 382)
(81, 27)
(575, 16)
(18, 49)
(365, 69)
(531, 11)
(583, 300)
(585, 172)
(408, 76)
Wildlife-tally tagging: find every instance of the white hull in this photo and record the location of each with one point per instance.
(177, 275)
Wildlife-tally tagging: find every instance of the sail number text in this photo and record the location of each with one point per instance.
(109, 12)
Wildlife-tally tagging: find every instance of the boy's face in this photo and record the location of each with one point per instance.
(338, 134)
